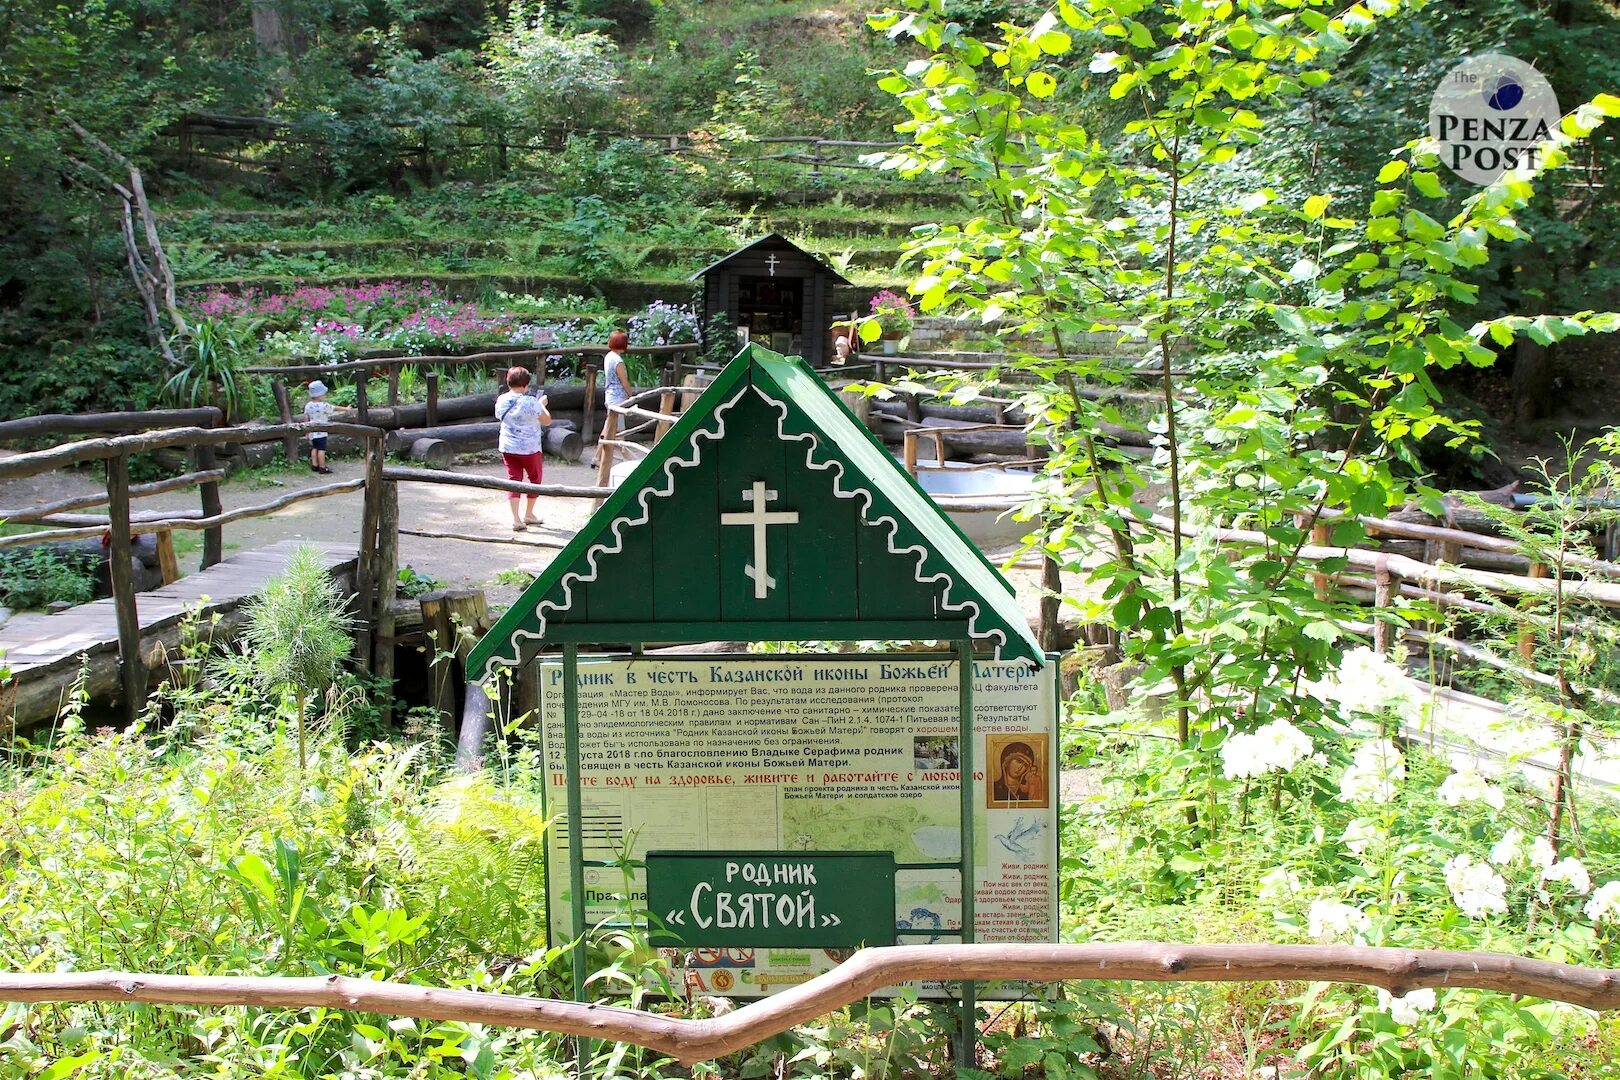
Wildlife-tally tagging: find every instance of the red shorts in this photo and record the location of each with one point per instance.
(523, 467)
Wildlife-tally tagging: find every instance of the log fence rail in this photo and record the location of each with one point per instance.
(1397, 971)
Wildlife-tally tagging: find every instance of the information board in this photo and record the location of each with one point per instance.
(810, 753)
(784, 899)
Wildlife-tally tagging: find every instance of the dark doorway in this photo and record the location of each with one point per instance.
(771, 309)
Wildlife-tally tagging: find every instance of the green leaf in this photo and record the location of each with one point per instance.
(1054, 42)
(1392, 171)
(1428, 184)
(1322, 631)
(1316, 206)
(1040, 84)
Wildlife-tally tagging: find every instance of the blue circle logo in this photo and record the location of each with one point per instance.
(1503, 93)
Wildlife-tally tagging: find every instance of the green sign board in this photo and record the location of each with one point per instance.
(774, 899)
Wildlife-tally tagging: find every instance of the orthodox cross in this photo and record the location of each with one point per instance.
(759, 518)
(771, 262)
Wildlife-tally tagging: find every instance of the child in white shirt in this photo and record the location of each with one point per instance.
(318, 411)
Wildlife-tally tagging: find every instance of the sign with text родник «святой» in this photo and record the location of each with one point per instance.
(782, 899)
(818, 754)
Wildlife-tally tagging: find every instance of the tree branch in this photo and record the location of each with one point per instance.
(1398, 971)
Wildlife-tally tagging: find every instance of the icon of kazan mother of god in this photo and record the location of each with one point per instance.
(1019, 777)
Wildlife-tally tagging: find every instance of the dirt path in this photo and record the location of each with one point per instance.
(427, 507)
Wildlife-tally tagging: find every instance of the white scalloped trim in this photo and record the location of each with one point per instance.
(667, 487)
(616, 544)
(836, 468)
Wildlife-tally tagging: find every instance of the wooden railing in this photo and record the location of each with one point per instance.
(1398, 971)
(366, 368)
(206, 135)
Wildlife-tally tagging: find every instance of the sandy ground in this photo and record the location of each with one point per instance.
(427, 507)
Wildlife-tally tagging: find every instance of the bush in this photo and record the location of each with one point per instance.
(32, 579)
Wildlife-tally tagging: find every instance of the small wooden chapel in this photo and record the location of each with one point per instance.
(776, 294)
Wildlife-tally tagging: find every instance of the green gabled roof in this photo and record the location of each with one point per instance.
(870, 555)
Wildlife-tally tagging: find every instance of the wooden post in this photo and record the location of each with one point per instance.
(1527, 633)
(604, 450)
(432, 411)
(131, 667)
(1386, 587)
(393, 385)
(676, 365)
(289, 443)
(910, 452)
(914, 408)
(474, 726)
(589, 419)
(452, 620)
(666, 405)
(362, 408)
(1321, 534)
(526, 693)
(387, 586)
(203, 460)
(168, 563)
(880, 368)
(366, 568)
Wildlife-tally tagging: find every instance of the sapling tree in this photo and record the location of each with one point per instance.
(298, 634)
(1292, 341)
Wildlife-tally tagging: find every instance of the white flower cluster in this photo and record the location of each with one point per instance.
(1331, 919)
(1510, 849)
(1475, 887)
(1276, 747)
(1375, 772)
(1361, 834)
(1406, 1009)
(1604, 906)
(1279, 885)
(1466, 785)
(1372, 684)
(1570, 872)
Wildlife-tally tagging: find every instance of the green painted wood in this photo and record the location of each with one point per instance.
(773, 899)
(751, 456)
(625, 582)
(822, 550)
(685, 585)
(783, 630)
(681, 574)
(888, 587)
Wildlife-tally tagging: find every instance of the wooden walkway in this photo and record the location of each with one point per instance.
(45, 652)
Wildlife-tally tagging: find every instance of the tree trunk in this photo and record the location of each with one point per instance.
(1533, 368)
(270, 30)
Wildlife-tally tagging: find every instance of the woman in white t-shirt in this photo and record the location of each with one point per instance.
(615, 373)
(521, 416)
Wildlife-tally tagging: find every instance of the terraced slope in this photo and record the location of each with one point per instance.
(496, 236)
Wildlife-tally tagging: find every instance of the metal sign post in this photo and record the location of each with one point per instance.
(968, 1041)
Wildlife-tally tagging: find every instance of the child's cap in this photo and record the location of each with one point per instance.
(317, 389)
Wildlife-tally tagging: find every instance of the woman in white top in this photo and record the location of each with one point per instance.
(615, 372)
(521, 416)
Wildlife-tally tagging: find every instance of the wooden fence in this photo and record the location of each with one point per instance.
(363, 370)
(216, 137)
